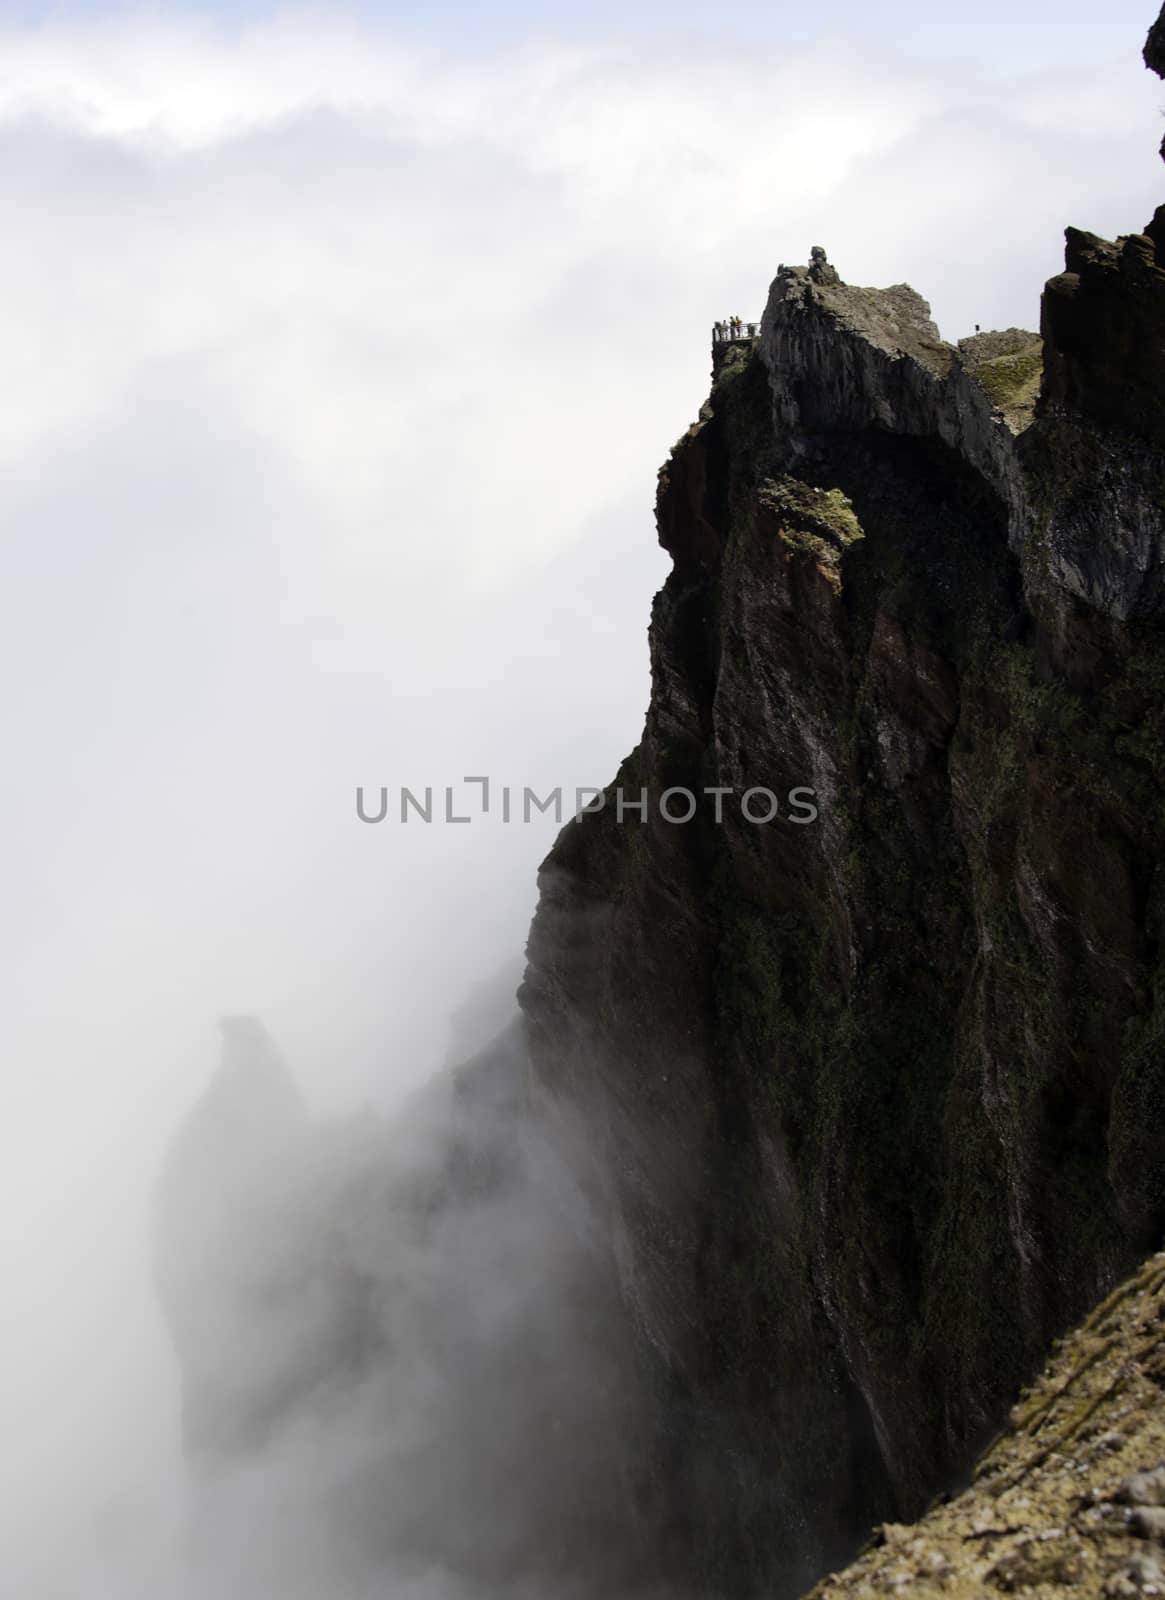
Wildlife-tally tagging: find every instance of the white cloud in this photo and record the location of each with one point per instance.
(337, 375)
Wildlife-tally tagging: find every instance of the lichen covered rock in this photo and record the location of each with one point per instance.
(1070, 1497)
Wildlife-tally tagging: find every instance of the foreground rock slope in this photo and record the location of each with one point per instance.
(1071, 1497)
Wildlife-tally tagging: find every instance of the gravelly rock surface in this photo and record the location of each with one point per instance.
(1071, 1498)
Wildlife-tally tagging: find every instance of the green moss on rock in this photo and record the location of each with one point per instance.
(1009, 368)
(820, 521)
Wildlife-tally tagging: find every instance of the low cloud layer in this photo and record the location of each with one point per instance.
(407, 1366)
(337, 373)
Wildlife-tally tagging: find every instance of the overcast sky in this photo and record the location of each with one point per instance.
(340, 355)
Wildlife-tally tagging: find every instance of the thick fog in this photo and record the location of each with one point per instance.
(337, 372)
(407, 1369)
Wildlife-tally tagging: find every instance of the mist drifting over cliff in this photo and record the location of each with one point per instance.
(338, 372)
(406, 1360)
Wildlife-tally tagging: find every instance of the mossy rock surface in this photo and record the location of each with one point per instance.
(1009, 367)
(1068, 1499)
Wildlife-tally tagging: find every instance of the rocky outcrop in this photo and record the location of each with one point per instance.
(1098, 445)
(880, 1096)
(1102, 321)
(226, 1253)
(1070, 1499)
(1096, 454)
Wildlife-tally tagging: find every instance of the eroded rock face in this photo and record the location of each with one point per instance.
(881, 1096)
(1098, 520)
(1102, 325)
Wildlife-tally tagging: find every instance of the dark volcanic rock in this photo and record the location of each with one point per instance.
(881, 1095)
(1104, 332)
(1155, 46)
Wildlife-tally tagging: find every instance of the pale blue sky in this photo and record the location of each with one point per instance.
(998, 34)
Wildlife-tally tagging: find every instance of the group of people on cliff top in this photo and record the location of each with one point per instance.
(732, 328)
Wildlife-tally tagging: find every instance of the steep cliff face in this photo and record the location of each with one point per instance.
(881, 1097)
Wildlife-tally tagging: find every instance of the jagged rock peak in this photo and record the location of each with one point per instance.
(840, 358)
(1102, 320)
(253, 1092)
(819, 268)
(896, 320)
(813, 314)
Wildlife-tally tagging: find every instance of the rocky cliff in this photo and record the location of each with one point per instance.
(882, 1097)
